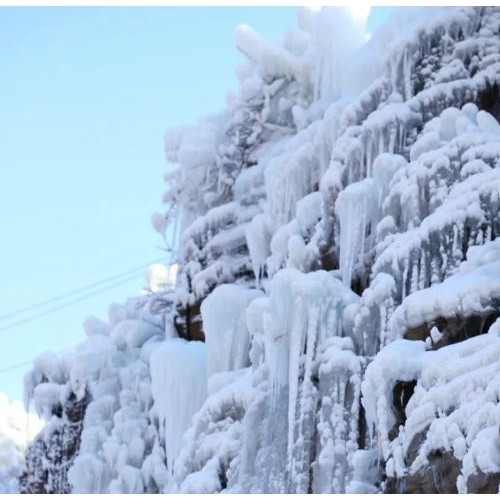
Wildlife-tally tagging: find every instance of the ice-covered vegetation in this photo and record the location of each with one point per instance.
(336, 234)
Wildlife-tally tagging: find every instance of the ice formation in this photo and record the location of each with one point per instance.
(227, 338)
(102, 424)
(17, 429)
(453, 409)
(336, 230)
(177, 367)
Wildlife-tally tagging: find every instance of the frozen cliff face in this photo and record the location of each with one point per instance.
(336, 231)
(104, 432)
(390, 192)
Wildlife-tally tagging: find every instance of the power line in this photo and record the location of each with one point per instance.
(131, 274)
(25, 363)
(66, 304)
(14, 367)
(74, 292)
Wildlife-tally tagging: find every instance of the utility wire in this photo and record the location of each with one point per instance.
(14, 367)
(75, 292)
(66, 304)
(24, 363)
(135, 274)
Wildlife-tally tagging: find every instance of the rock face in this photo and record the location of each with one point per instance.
(337, 239)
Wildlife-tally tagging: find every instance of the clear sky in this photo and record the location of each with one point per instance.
(85, 97)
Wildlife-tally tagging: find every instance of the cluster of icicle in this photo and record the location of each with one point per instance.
(348, 195)
(391, 189)
(120, 448)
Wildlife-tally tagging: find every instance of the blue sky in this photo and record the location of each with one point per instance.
(86, 95)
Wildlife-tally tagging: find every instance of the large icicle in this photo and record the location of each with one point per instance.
(355, 207)
(177, 368)
(226, 335)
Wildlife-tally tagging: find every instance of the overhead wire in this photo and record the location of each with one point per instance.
(127, 276)
(58, 298)
(67, 304)
(15, 366)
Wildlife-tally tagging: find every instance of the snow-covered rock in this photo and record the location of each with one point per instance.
(336, 234)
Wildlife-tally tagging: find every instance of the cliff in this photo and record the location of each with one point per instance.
(334, 323)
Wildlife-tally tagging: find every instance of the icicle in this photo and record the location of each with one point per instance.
(435, 265)
(444, 259)
(177, 367)
(414, 274)
(369, 149)
(405, 277)
(423, 278)
(355, 207)
(392, 139)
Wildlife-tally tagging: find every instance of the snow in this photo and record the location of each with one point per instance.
(88, 478)
(372, 314)
(366, 473)
(192, 146)
(340, 369)
(309, 211)
(134, 333)
(48, 366)
(401, 360)
(47, 396)
(279, 246)
(116, 313)
(95, 326)
(347, 195)
(270, 59)
(290, 177)
(487, 123)
(380, 166)
(427, 142)
(384, 168)
(460, 295)
(468, 203)
(454, 402)
(214, 439)
(108, 377)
